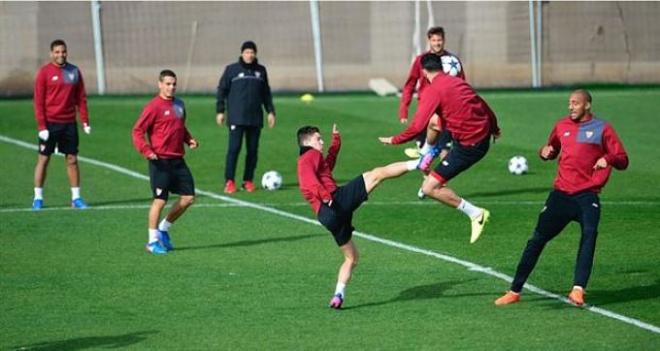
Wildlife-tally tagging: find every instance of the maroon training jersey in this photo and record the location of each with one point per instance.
(415, 76)
(579, 145)
(163, 121)
(58, 91)
(315, 174)
(466, 115)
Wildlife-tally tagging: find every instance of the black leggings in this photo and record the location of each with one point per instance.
(559, 210)
(252, 143)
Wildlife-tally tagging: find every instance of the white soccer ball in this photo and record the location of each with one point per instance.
(271, 180)
(518, 165)
(451, 65)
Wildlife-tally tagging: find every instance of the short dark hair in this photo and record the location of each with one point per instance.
(306, 132)
(166, 73)
(435, 31)
(57, 42)
(432, 62)
(584, 93)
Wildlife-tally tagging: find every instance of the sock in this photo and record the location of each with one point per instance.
(38, 193)
(426, 148)
(340, 289)
(469, 209)
(411, 165)
(164, 225)
(75, 193)
(153, 235)
(578, 287)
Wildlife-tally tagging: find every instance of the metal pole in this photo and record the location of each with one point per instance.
(316, 33)
(539, 41)
(532, 39)
(98, 46)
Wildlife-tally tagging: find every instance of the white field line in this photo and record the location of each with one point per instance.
(467, 264)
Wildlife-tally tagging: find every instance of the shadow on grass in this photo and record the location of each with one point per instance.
(509, 192)
(109, 342)
(429, 291)
(627, 294)
(249, 242)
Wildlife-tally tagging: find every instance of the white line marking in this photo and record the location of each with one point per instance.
(107, 208)
(469, 265)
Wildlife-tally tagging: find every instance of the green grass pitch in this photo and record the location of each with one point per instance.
(246, 278)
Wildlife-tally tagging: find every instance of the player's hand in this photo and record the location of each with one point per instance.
(86, 128)
(547, 152)
(271, 120)
(152, 156)
(601, 163)
(403, 120)
(44, 134)
(385, 140)
(193, 144)
(220, 119)
(334, 129)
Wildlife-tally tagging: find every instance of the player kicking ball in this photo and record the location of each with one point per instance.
(163, 122)
(334, 206)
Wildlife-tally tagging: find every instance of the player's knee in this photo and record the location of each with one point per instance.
(187, 200)
(427, 188)
(71, 160)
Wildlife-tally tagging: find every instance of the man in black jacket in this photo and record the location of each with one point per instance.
(244, 86)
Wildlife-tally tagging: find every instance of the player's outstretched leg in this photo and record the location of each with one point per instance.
(437, 190)
(374, 177)
(351, 257)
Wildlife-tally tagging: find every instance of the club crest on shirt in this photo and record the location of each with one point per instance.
(589, 133)
(257, 74)
(178, 111)
(70, 75)
(241, 75)
(55, 78)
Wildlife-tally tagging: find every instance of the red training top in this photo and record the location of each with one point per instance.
(466, 115)
(57, 93)
(315, 174)
(415, 76)
(581, 145)
(164, 122)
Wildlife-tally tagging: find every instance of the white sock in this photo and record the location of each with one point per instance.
(411, 165)
(426, 148)
(340, 289)
(75, 193)
(469, 209)
(153, 235)
(164, 225)
(578, 287)
(38, 193)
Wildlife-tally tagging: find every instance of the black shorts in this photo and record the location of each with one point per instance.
(62, 135)
(444, 139)
(170, 175)
(338, 217)
(459, 159)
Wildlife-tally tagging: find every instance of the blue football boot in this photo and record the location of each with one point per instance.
(79, 203)
(155, 248)
(164, 238)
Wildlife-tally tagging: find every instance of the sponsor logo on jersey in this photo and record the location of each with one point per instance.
(567, 134)
(167, 112)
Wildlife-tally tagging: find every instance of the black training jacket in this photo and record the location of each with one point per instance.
(244, 87)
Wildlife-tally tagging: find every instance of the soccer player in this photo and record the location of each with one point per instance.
(436, 41)
(163, 122)
(59, 94)
(588, 148)
(334, 206)
(244, 85)
(451, 103)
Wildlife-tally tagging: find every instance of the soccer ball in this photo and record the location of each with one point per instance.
(271, 180)
(451, 65)
(518, 165)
